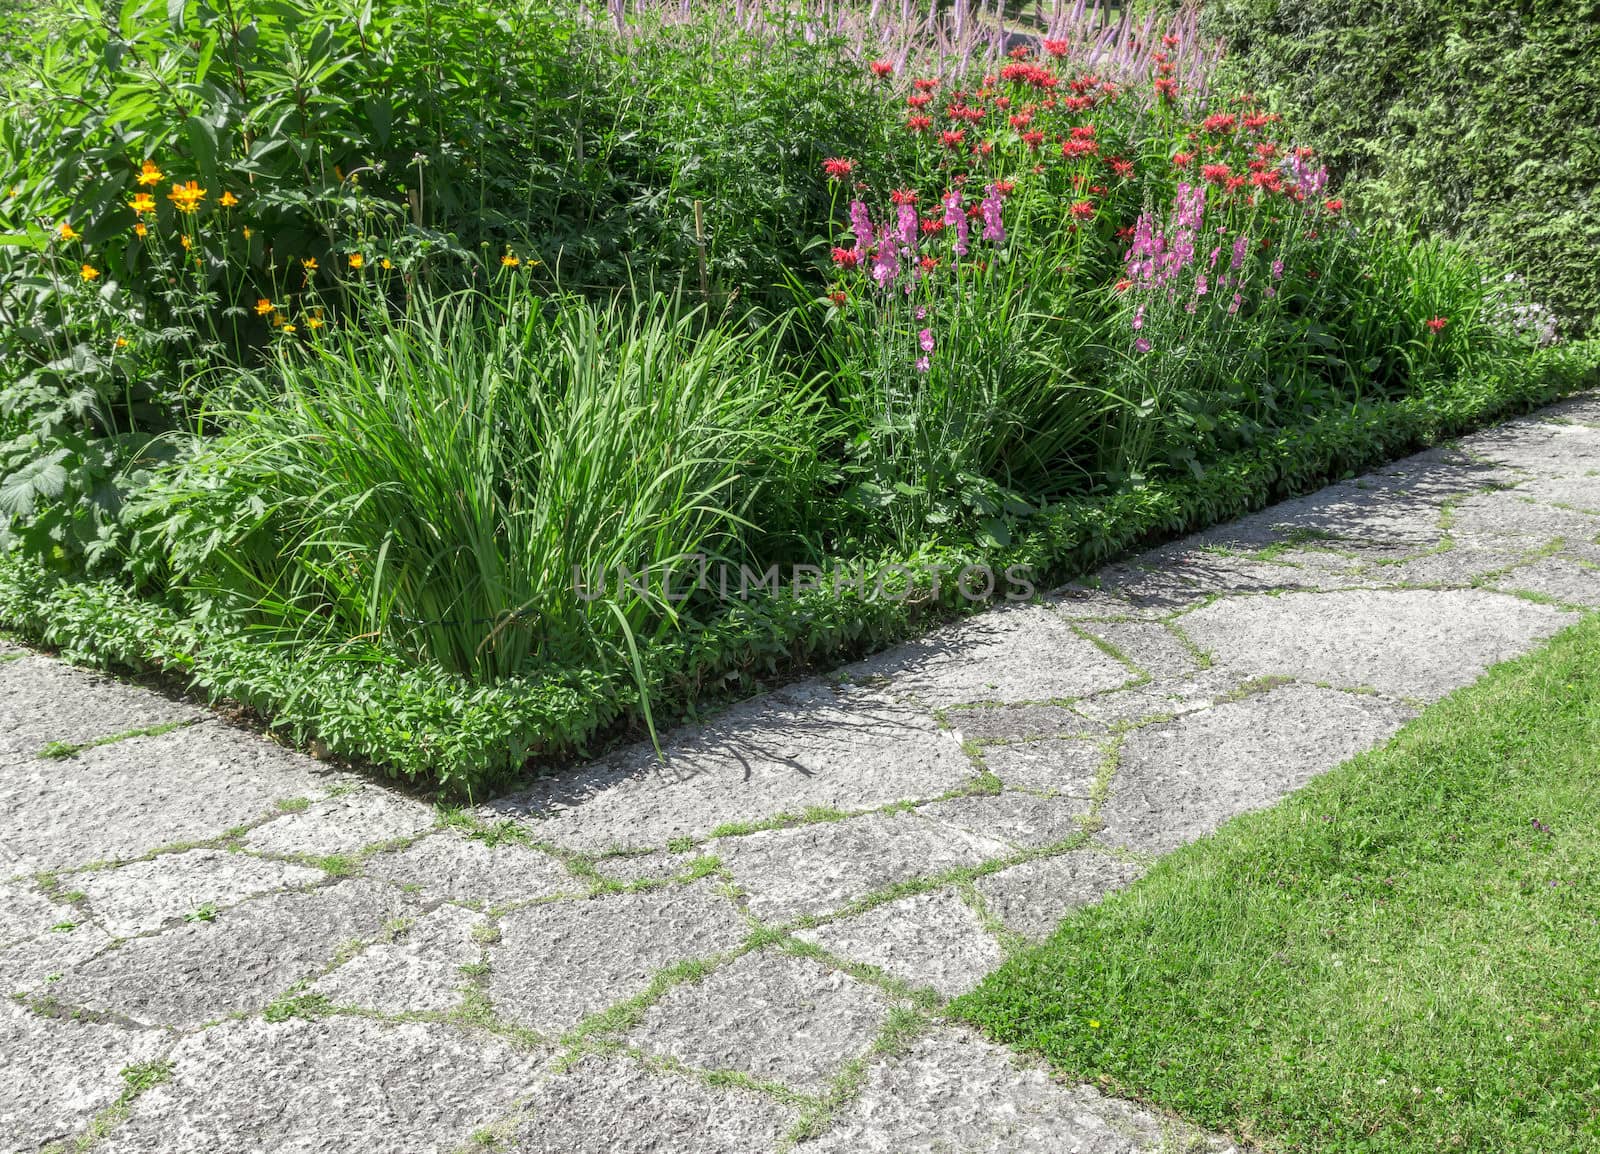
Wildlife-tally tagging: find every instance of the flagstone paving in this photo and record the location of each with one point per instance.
(214, 943)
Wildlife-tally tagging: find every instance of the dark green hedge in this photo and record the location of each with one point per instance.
(1476, 117)
(429, 726)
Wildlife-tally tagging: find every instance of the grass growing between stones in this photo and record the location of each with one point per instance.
(1403, 956)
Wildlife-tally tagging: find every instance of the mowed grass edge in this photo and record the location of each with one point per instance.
(1402, 956)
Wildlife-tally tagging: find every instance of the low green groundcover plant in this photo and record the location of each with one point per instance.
(1403, 956)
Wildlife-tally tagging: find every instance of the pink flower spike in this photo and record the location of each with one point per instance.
(925, 340)
(922, 364)
(1141, 345)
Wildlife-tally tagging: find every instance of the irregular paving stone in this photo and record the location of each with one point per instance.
(1062, 766)
(118, 802)
(1580, 492)
(951, 1091)
(804, 746)
(1416, 643)
(1022, 820)
(927, 940)
(47, 700)
(140, 896)
(1547, 450)
(1033, 897)
(558, 962)
(1377, 515)
(1149, 645)
(769, 1014)
(1460, 565)
(1162, 698)
(464, 869)
(344, 824)
(607, 1105)
(1581, 410)
(1179, 781)
(419, 968)
(1509, 519)
(1011, 722)
(1076, 602)
(1568, 581)
(26, 913)
(239, 961)
(33, 966)
(59, 1073)
(1018, 653)
(820, 868)
(332, 1085)
(658, 866)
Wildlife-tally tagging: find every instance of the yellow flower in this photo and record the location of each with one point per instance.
(385, 263)
(68, 232)
(357, 260)
(315, 322)
(187, 242)
(228, 200)
(149, 174)
(509, 261)
(264, 306)
(187, 197)
(310, 265)
(122, 342)
(142, 203)
(288, 328)
(140, 230)
(1093, 1025)
(90, 272)
(247, 232)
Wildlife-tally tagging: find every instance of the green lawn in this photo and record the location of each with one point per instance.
(1403, 956)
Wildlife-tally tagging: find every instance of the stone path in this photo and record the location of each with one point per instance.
(218, 944)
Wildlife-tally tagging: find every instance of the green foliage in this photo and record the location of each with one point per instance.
(1399, 957)
(1476, 117)
(417, 721)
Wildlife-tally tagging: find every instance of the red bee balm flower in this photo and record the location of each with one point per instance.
(881, 68)
(837, 299)
(1437, 324)
(952, 140)
(837, 168)
(919, 123)
(918, 100)
(1335, 206)
(846, 257)
(1083, 210)
(1057, 48)
(903, 196)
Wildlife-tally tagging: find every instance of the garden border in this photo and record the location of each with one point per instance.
(429, 726)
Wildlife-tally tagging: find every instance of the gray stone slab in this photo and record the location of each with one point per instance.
(35, 965)
(344, 824)
(806, 745)
(1161, 698)
(117, 802)
(59, 1073)
(1409, 643)
(558, 962)
(1020, 820)
(1545, 450)
(1581, 492)
(952, 1091)
(1079, 602)
(1060, 766)
(1012, 654)
(931, 940)
(658, 866)
(47, 700)
(1179, 781)
(821, 868)
(1461, 565)
(1014, 722)
(1031, 898)
(1151, 646)
(1571, 582)
(769, 1014)
(611, 1104)
(26, 913)
(1580, 410)
(415, 967)
(1510, 519)
(463, 869)
(241, 960)
(141, 896)
(329, 1086)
